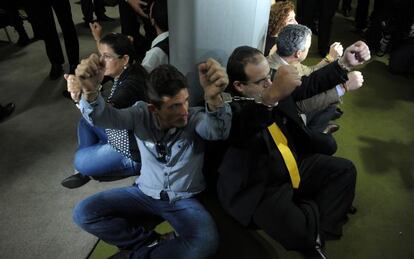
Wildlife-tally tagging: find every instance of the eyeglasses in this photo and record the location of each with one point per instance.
(260, 82)
(161, 151)
(108, 57)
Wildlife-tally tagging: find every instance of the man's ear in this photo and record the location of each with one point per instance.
(152, 108)
(238, 86)
(297, 54)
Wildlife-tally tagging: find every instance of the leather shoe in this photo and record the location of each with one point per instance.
(75, 181)
(337, 114)
(56, 71)
(331, 128)
(6, 110)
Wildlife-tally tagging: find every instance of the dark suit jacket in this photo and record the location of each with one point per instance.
(252, 161)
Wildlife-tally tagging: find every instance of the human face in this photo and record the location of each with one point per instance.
(291, 18)
(258, 75)
(304, 53)
(173, 112)
(114, 63)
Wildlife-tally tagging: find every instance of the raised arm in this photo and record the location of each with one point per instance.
(89, 74)
(215, 123)
(334, 73)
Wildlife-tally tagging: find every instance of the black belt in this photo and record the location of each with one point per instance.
(164, 196)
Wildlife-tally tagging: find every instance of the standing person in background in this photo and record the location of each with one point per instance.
(14, 19)
(133, 14)
(159, 52)
(45, 24)
(323, 11)
(89, 7)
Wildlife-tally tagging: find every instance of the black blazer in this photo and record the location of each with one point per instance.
(252, 161)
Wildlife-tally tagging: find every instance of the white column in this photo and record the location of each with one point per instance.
(200, 29)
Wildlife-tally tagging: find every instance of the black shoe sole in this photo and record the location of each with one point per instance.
(72, 182)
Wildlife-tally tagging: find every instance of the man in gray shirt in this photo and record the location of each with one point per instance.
(171, 138)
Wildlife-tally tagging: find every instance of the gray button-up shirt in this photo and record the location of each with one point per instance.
(181, 174)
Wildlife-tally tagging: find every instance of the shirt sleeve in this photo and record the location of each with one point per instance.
(153, 58)
(100, 114)
(319, 102)
(214, 125)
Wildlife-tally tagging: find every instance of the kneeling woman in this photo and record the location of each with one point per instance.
(107, 154)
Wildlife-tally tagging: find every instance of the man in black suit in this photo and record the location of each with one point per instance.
(254, 183)
(44, 22)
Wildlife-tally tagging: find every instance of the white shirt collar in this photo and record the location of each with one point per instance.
(159, 38)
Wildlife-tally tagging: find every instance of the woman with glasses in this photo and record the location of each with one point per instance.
(107, 154)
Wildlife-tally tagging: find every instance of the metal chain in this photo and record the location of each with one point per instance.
(227, 98)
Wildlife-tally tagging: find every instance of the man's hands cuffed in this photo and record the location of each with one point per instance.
(213, 79)
(356, 54)
(355, 81)
(284, 83)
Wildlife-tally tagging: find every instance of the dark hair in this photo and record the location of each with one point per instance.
(159, 12)
(291, 39)
(121, 45)
(165, 80)
(238, 59)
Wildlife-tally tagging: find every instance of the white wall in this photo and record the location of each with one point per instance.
(200, 29)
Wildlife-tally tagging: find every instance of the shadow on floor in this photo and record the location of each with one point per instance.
(381, 157)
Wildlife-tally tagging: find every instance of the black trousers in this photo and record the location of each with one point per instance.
(323, 11)
(319, 205)
(90, 6)
(130, 24)
(402, 58)
(45, 22)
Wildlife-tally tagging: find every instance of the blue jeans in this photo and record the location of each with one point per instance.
(95, 157)
(118, 217)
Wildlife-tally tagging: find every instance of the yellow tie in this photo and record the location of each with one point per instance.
(290, 162)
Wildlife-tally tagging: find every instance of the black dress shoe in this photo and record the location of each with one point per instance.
(56, 71)
(75, 181)
(331, 128)
(105, 18)
(337, 114)
(6, 110)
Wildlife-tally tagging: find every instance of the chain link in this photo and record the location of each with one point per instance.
(227, 98)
